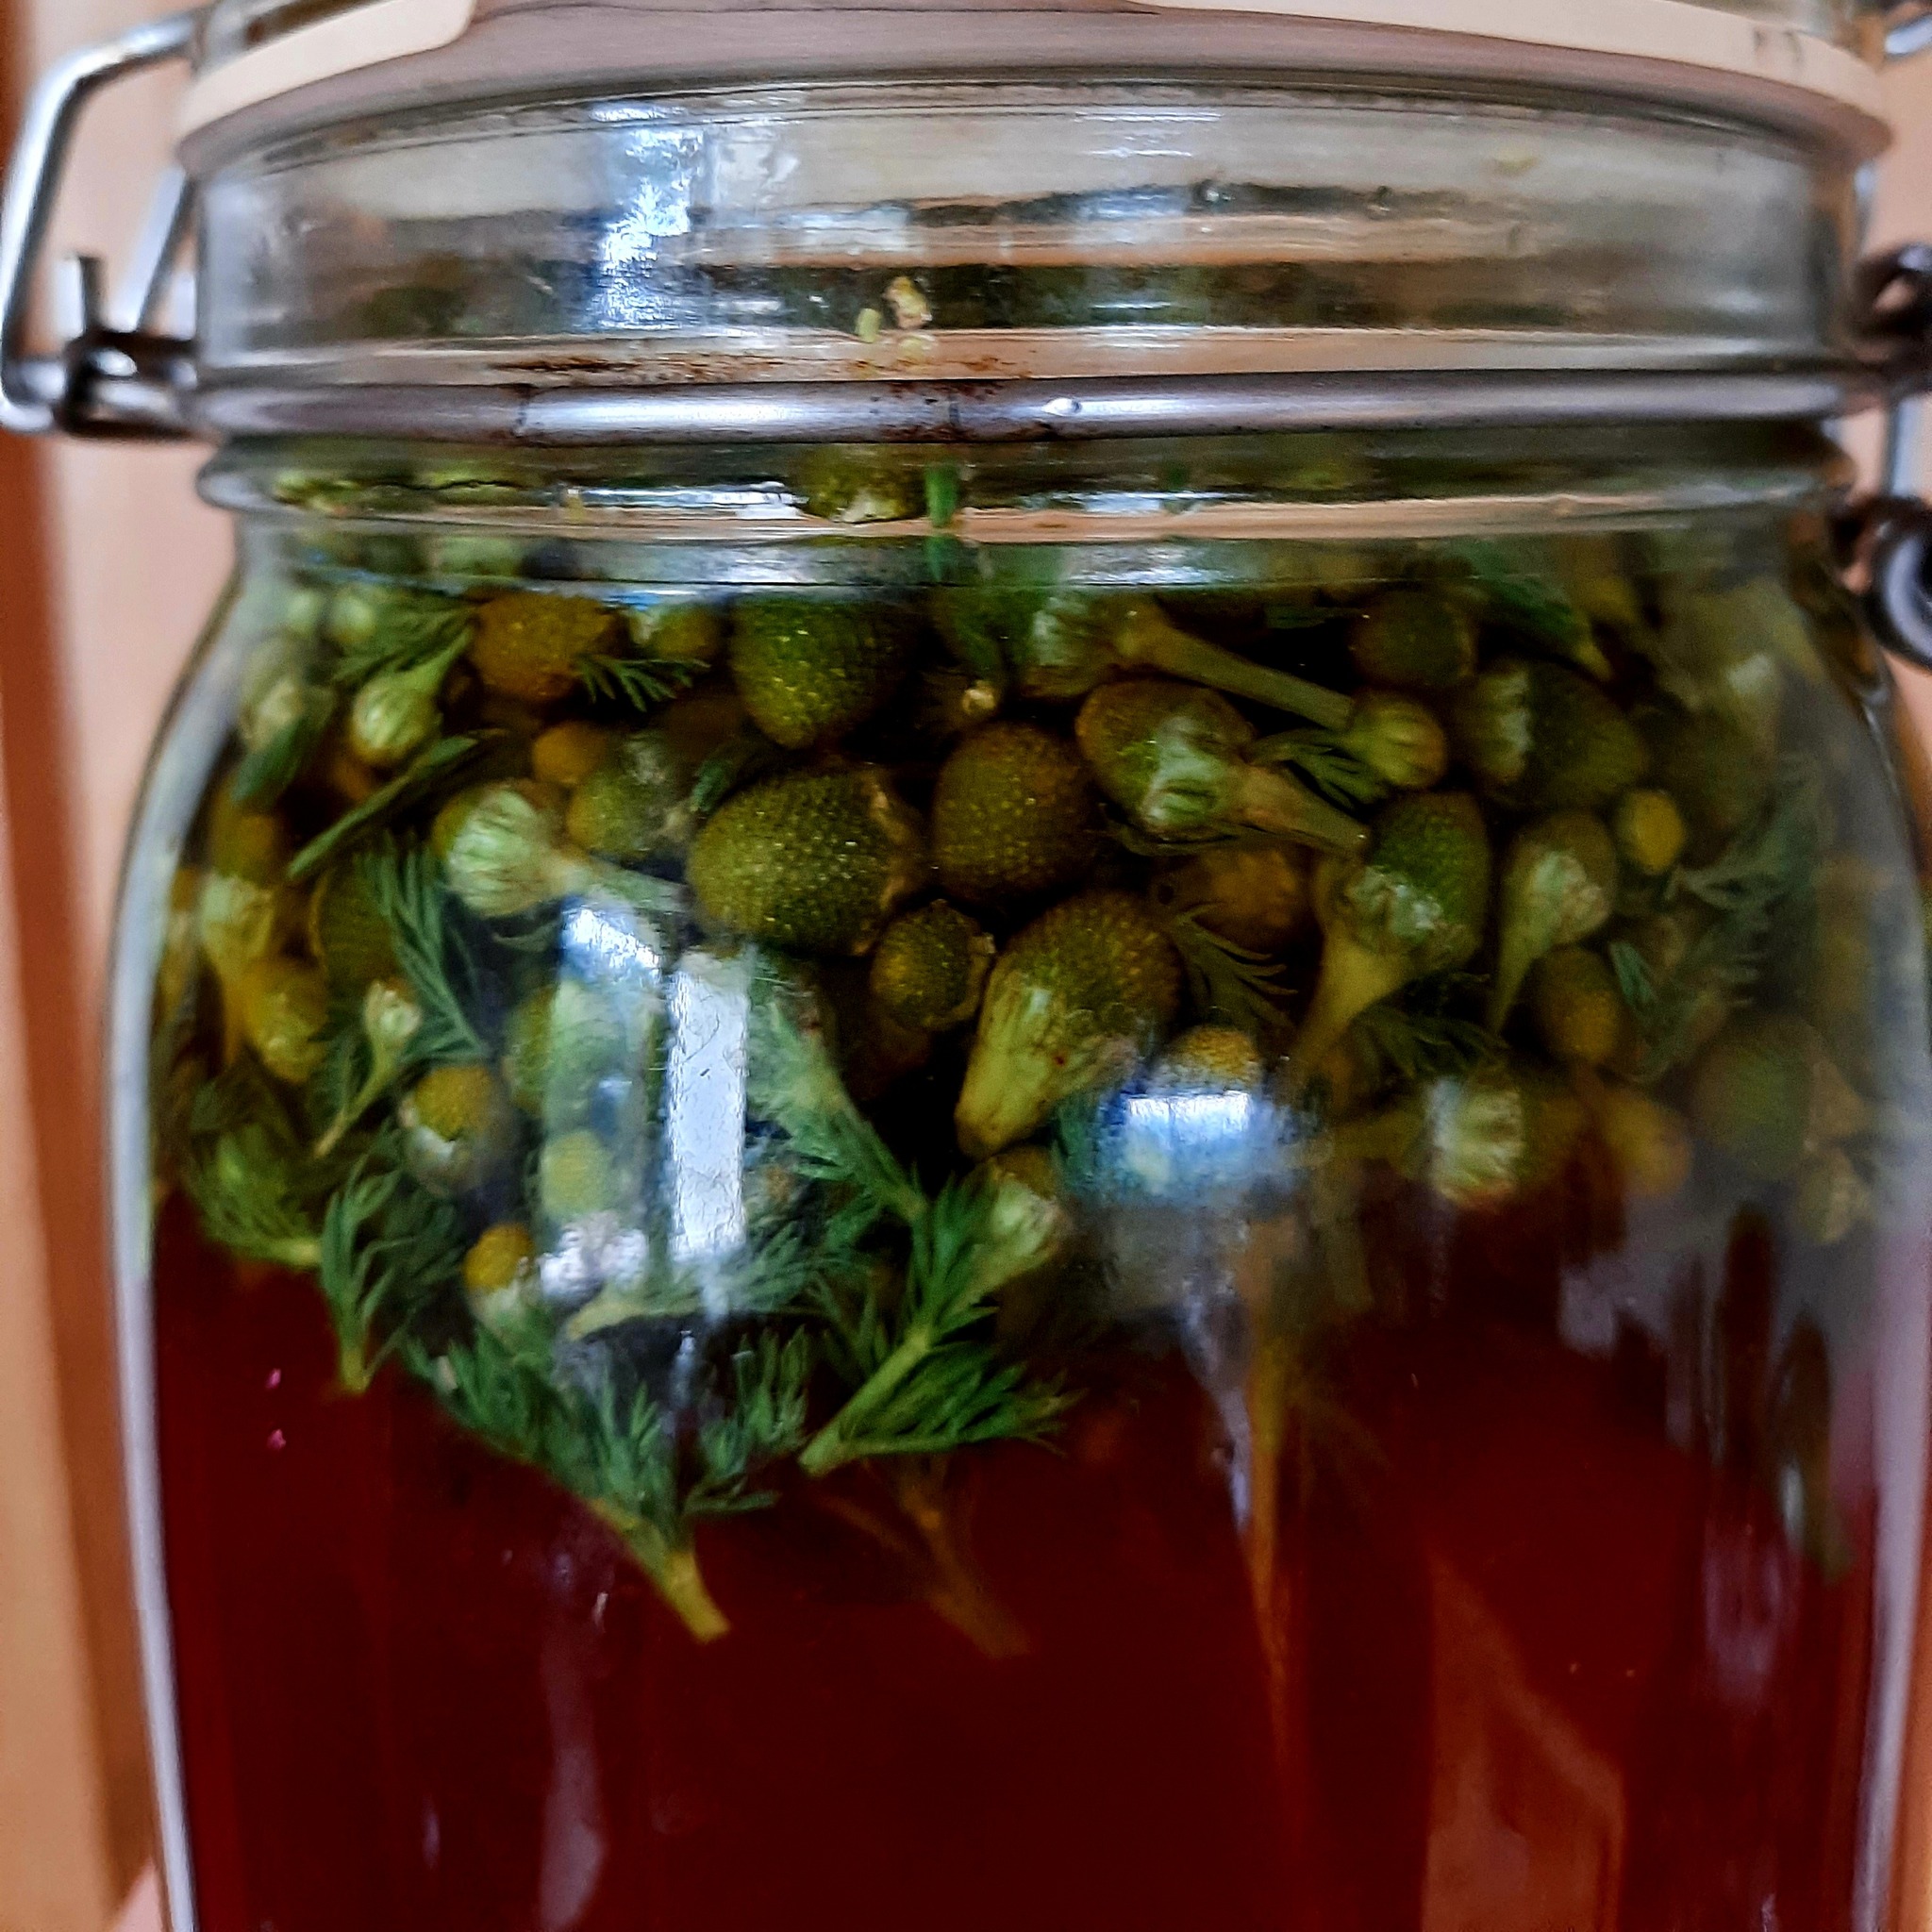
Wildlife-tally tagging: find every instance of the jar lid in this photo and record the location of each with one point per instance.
(275, 67)
(620, 220)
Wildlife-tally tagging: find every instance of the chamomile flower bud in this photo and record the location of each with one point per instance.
(500, 1270)
(680, 633)
(391, 720)
(284, 1009)
(237, 921)
(576, 1177)
(458, 1128)
(501, 853)
(1650, 831)
(390, 1021)
(282, 703)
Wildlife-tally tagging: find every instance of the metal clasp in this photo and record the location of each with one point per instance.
(117, 377)
(1907, 29)
(1889, 535)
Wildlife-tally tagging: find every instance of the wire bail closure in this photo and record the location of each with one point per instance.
(118, 376)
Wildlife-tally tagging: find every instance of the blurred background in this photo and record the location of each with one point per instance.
(106, 565)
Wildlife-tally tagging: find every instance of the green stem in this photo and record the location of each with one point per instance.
(672, 1567)
(357, 1373)
(836, 1444)
(371, 1091)
(1273, 802)
(1352, 980)
(1524, 942)
(1147, 638)
(427, 678)
(958, 1593)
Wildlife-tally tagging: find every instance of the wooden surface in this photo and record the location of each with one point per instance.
(91, 647)
(108, 563)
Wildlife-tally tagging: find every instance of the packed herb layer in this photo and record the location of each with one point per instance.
(708, 1040)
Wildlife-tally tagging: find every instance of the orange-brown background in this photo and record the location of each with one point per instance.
(106, 564)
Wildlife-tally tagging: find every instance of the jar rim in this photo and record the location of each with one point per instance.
(607, 416)
(379, 55)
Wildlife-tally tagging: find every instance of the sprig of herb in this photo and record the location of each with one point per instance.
(438, 765)
(933, 1382)
(1535, 606)
(640, 683)
(250, 1176)
(615, 1453)
(763, 1423)
(389, 1248)
(427, 935)
(980, 623)
(1230, 982)
(265, 774)
(1328, 764)
(793, 1083)
(1330, 768)
(1771, 860)
(394, 632)
(1635, 981)
(1420, 1047)
(1753, 889)
(775, 1274)
(924, 1384)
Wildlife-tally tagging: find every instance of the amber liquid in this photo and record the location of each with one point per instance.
(1526, 1657)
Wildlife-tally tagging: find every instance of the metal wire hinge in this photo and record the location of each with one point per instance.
(118, 376)
(1888, 538)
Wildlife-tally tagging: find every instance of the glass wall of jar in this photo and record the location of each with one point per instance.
(1057, 227)
(1139, 1186)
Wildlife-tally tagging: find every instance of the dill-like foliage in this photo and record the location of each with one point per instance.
(437, 765)
(793, 1083)
(1329, 765)
(410, 630)
(615, 1448)
(246, 1168)
(505, 1387)
(1229, 982)
(1419, 1036)
(638, 684)
(982, 623)
(1753, 889)
(404, 884)
(763, 1423)
(389, 1248)
(923, 1384)
(933, 1379)
(1532, 605)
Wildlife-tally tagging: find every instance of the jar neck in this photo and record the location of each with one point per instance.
(1422, 481)
(893, 515)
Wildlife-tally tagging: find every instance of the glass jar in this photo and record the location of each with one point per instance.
(1208, 1209)
(1024, 1018)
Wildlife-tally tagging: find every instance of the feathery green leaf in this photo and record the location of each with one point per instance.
(639, 684)
(389, 1248)
(437, 765)
(426, 932)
